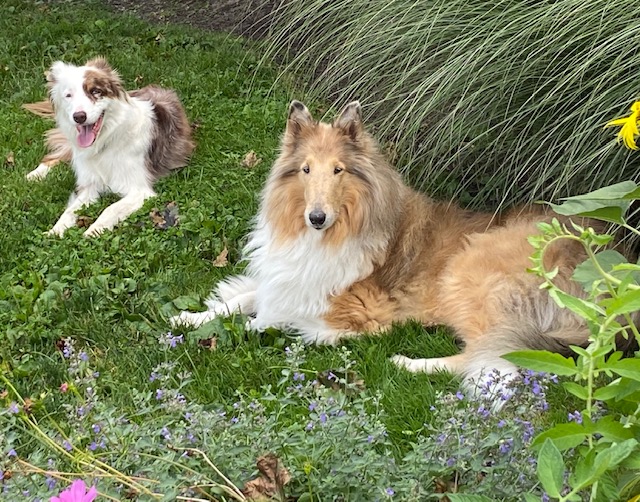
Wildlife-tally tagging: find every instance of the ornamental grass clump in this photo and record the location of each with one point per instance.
(491, 102)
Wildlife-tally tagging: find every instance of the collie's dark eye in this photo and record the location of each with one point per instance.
(95, 92)
(305, 169)
(67, 94)
(337, 170)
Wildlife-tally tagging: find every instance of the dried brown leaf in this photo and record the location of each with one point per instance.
(208, 343)
(139, 79)
(251, 160)
(165, 218)
(271, 481)
(331, 379)
(9, 160)
(84, 221)
(221, 259)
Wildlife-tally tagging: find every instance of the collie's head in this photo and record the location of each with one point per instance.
(329, 178)
(82, 95)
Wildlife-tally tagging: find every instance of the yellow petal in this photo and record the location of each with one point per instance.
(629, 127)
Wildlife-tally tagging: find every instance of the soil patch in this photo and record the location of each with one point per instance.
(241, 17)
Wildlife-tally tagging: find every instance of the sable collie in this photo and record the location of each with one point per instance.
(342, 246)
(116, 141)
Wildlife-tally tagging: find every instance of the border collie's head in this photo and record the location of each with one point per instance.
(325, 178)
(81, 96)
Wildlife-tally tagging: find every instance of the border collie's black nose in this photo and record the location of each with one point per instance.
(80, 117)
(317, 218)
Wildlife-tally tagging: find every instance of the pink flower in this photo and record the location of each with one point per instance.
(64, 387)
(77, 492)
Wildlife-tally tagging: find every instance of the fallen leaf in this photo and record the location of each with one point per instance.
(9, 161)
(208, 343)
(166, 218)
(270, 483)
(196, 124)
(138, 80)
(251, 160)
(351, 382)
(221, 259)
(84, 221)
(28, 405)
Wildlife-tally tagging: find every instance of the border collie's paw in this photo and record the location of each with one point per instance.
(191, 319)
(94, 231)
(39, 173)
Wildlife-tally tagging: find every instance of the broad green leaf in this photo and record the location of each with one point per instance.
(187, 302)
(586, 272)
(616, 191)
(605, 210)
(611, 430)
(587, 310)
(542, 360)
(629, 368)
(628, 302)
(564, 436)
(610, 391)
(550, 468)
(577, 390)
(530, 497)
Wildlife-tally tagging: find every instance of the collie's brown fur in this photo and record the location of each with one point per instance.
(431, 261)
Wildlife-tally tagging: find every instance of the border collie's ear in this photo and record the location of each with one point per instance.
(100, 63)
(350, 120)
(299, 117)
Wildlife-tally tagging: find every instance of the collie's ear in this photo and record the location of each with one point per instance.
(100, 63)
(350, 120)
(299, 117)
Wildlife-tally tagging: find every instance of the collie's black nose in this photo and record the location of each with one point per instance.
(317, 218)
(80, 117)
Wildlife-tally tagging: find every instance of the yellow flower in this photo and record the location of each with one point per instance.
(629, 129)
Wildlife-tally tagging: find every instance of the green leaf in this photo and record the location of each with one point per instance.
(587, 310)
(620, 190)
(629, 368)
(187, 302)
(530, 497)
(542, 360)
(611, 430)
(586, 273)
(577, 390)
(628, 302)
(605, 210)
(607, 392)
(550, 468)
(564, 436)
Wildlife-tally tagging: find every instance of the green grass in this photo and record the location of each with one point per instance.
(114, 294)
(488, 102)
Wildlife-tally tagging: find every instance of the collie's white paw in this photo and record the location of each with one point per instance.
(191, 319)
(39, 173)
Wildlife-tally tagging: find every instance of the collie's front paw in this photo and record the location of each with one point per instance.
(191, 319)
(94, 231)
(39, 173)
(56, 231)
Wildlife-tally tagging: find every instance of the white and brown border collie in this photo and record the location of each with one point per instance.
(341, 246)
(116, 141)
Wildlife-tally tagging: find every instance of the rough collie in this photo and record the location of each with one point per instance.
(341, 246)
(116, 141)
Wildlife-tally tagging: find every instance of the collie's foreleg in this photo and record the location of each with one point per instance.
(83, 196)
(236, 294)
(59, 151)
(117, 212)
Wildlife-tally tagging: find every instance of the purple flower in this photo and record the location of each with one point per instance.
(312, 405)
(460, 395)
(332, 376)
(505, 446)
(14, 409)
(12, 453)
(77, 492)
(390, 492)
(96, 428)
(67, 445)
(234, 420)
(309, 426)
(153, 377)
(165, 433)
(576, 417)
(501, 424)
(93, 446)
(50, 482)
(323, 418)
(298, 376)
(159, 394)
(370, 438)
(451, 462)
(83, 356)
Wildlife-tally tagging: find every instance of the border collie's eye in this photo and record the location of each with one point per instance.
(67, 94)
(337, 170)
(305, 169)
(95, 92)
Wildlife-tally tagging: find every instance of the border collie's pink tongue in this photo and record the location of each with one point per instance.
(86, 136)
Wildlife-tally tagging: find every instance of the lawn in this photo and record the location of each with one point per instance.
(110, 297)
